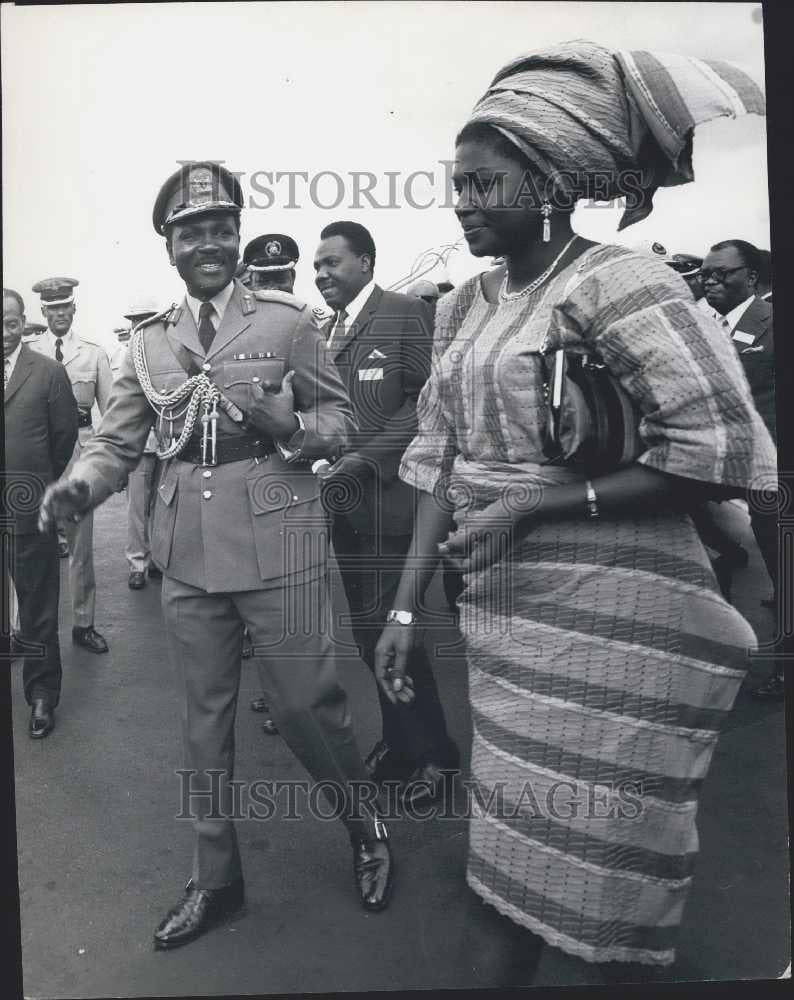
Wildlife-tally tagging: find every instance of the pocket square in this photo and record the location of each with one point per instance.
(751, 350)
(370, 374)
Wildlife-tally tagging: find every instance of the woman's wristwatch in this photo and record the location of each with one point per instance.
(401, 617)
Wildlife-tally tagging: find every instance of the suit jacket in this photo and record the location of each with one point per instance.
(384, 360)
(754, 340)
(244, 525)
(40, 414)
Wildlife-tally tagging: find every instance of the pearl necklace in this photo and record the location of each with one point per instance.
(505, 296)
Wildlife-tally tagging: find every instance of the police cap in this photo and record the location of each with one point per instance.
(194, 189)
(272, 252)
(56, 291)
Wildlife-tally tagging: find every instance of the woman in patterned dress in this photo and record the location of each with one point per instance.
(602, 657)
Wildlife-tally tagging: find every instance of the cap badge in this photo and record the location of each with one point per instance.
(273, 248)
(200, 187)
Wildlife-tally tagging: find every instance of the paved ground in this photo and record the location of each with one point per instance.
(101, 856)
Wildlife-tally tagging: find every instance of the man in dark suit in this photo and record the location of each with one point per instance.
(730, 276)
(381, 342)
(40, 435)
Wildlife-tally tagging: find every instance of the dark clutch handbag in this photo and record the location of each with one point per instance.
(592, 422)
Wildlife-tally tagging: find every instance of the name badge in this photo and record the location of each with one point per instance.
(743, 338)
(370, 374)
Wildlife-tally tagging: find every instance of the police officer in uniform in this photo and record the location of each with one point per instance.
(245, 399)
(270, 262)
(88, 369)
(141, 481)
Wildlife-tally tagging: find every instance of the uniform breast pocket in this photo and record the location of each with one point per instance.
(239, 375)
(84, 388)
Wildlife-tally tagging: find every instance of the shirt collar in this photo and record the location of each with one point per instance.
(220, 301)
(67, 338)
(354, 308)
(736, 313)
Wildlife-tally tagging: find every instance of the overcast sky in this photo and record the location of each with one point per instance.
(100, 104)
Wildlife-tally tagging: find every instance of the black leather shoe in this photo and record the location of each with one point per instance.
(198, 910)
(154, 573)
(89, 639)
(269, 727)
(136, 581)
(373, 869)
(259, 705)
(773, 689)
(42, 719)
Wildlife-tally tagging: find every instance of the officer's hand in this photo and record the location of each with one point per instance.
(66, 500)
(391, 657)
(273, 413)
(350, 465)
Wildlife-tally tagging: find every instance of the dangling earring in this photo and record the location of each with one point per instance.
(545, 210)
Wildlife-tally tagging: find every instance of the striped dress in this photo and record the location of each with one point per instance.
(602, 658)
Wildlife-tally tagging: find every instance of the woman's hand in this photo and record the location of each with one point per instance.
(485, 537)
(391, 658)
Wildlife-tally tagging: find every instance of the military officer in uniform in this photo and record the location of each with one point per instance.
(245, 399)
(141, 481)
(88, 369)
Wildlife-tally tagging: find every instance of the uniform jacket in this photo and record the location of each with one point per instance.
(756, 347)
(40, 414)
(116, 356)
(248, 524)
(384, 360)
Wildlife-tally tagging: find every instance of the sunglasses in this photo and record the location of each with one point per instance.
(719, 274)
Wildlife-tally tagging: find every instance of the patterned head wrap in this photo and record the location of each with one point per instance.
(585, 115)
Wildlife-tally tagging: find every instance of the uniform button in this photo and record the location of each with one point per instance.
(207, 494)
(207, 366)
(207, 474)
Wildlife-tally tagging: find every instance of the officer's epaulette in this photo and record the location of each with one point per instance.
(169, 315)
(275, 295)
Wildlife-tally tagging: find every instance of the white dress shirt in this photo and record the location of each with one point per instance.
(46, 343)
(220, 301)
(11, 361)
(735, 315)
(354, 308)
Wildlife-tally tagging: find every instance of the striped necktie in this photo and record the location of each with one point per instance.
(338, 329)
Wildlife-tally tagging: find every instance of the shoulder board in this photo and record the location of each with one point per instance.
(166, 316)
(91, 343)
(274, 295)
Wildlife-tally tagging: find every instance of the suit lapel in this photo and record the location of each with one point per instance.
(19, 375)
(235, 320)
(753, 321)
(363, 320)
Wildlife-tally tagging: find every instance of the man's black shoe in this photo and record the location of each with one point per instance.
(42, 719)
(373, 869)
(154, 573)
(89, 639)
(773, 689)
(259, 705)
(198, 910)
(136, 581)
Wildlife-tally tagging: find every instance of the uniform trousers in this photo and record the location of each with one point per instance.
(36, 575)
(302, 689)
(371, 567)
(139, 494)
(80, 536)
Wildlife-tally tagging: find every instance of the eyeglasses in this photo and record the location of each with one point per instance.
(719, 274)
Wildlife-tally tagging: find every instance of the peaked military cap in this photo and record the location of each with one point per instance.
(686, 264)
(141, 309)
(196, 188)
(272, 252)
(56, 291)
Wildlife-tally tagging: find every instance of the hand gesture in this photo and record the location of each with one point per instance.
(273, 413)
(391, 657)
(484, 538)
(66, 500)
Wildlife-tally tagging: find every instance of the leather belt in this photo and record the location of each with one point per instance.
(84, 418)
(232, 449)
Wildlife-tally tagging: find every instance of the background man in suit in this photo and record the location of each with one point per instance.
(40, 434)
(88, 369)
(730, 276)
(238, 529)
(141, 481)
(381, 343)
